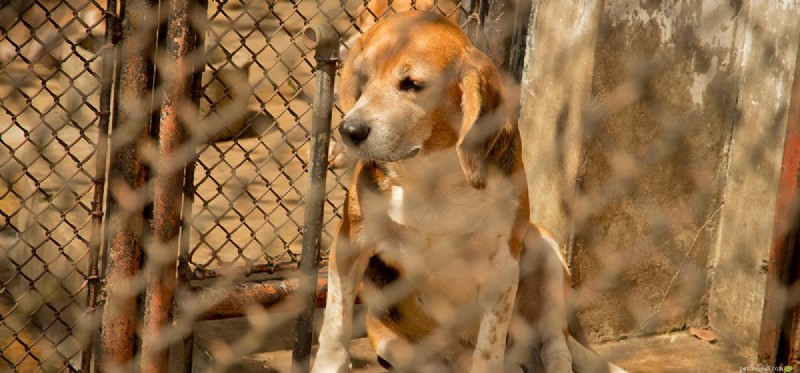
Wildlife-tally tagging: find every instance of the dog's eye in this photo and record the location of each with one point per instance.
(408, 84)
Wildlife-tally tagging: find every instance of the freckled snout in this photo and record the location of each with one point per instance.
(354, 132)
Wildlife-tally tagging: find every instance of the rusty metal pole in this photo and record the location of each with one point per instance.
(326, 43)
(168, 186)
(127, 176)
(233, 302)
(230, 302)
(98, 201)
(779, 321)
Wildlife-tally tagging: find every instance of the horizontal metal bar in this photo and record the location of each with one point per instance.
(207, 274)
(234, 301)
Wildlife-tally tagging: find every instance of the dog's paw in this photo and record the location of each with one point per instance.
(332, 359)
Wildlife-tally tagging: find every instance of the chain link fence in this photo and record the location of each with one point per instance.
(641, 125)
(51, 109)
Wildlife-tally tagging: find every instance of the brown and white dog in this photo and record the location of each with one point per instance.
(436, 220)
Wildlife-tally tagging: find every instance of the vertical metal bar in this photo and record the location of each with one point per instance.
(776, 342)
(183, 257)
(128, 174)
(168, 186)
(101, 157)
(326, 42)
(199, 29)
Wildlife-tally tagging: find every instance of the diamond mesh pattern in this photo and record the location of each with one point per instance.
(49, 105)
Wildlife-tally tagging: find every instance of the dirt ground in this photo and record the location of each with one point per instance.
(670, 353)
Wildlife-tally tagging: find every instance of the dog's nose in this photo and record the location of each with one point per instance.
(356, 133)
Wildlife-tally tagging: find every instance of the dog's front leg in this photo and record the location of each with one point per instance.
(496, 300)
(544, 270)
(346, 269)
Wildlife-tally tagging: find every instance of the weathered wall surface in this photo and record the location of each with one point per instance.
(767, 40)
(554, 91)
(654, 165)
(641, 121)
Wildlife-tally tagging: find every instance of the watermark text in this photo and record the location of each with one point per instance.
(787, 368)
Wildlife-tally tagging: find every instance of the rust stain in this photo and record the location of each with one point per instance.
(233, 302)
(778, 337)
(129, 172)
(168, 191)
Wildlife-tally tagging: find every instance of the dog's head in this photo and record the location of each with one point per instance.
(414, 83)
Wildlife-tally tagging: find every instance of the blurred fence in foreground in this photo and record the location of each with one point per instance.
(152, 151)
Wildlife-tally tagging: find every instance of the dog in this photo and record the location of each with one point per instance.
(436, 220)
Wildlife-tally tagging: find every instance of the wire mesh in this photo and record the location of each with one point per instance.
(649, 134)
(50, 82)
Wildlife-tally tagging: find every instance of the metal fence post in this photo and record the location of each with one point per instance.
(168, 185)
(101, 157)
(326, 43)
(128, 175)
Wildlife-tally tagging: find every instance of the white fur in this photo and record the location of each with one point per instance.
(343, 279)
(615, 369)
(396, 205)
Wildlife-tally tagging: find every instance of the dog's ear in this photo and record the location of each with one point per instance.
(351, 79)
(483, 114)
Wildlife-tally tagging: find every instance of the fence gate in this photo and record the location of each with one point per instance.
(160, 164)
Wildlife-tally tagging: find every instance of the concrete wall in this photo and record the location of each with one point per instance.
(767, 36)
(653, 134)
